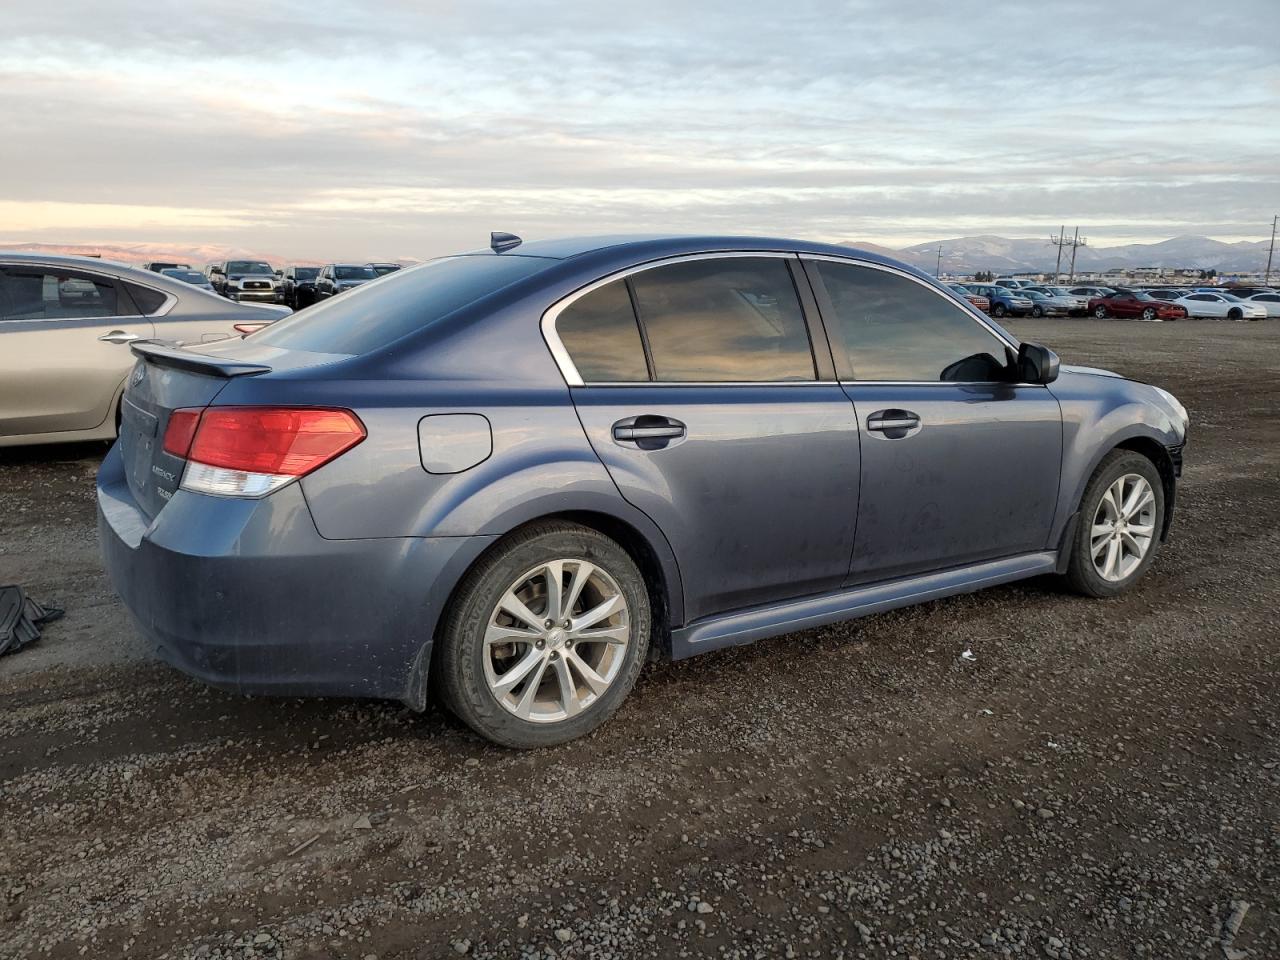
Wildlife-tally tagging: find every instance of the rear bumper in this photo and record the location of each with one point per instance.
(247, 596)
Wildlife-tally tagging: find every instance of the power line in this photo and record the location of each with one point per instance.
(1272, 250)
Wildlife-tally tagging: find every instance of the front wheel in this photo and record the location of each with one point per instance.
(1149, 313)
(1118, 531)
(1100, 312)
(999, 310)
(1037, 311)
(546, 637)
(1235, 313)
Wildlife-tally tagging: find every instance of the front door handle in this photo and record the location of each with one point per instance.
(119, 336)
(894, 424)
(648, 431)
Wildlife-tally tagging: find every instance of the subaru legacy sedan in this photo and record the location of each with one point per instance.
(511, 476)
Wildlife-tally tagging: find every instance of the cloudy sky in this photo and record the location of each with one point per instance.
(413, 128)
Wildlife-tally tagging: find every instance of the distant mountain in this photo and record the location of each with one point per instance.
(1008, 255)
(198, 255)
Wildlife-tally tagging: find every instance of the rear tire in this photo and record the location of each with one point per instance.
(1116, 542)
(523, 679)
(999, 310)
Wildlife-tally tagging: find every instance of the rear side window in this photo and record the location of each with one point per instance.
(148, 300)
(41, 293)
(724, 319)
(373, 316)
(889, 327)
(599, 330)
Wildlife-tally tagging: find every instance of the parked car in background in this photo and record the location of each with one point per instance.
(66, 324)
(1005, 302)
(248, 280)
(158, 266)
(977, 299)
(1127, 304)
(382, 269)
(187, 275)
(1243, 292)
(1221, 306)
(336, 278)
(1270, 302)
(1013, 283)
(516, 522)
(1090, 292)
(1075, 305)
(298, 285)
(1169, 294)
(1044, 305)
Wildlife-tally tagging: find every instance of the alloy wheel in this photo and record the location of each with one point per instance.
(1124, 527)
(1100, 313)
(556, 640)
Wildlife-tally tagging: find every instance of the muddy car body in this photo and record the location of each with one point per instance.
(519, 472)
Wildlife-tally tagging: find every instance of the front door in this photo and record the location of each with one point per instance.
(959, 464)
(710, 417)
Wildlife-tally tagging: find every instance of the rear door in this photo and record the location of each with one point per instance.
(959, 465)
(716, 417)
(64, 347)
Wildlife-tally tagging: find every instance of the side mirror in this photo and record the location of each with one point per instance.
(279, 274)
(1037, 364)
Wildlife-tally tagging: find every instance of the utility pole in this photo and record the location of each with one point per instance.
(1271, 252)
(1076, 241)
(937, 272)
(1059, 243)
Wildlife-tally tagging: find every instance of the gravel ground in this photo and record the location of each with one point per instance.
(1102, 781)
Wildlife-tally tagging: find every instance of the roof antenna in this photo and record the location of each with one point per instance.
(503, 241)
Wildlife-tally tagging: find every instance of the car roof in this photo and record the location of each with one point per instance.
(114, 267)
(653, 246)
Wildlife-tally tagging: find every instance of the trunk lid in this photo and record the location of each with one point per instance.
(163, 380)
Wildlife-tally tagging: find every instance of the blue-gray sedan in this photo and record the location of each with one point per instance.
(517, 473)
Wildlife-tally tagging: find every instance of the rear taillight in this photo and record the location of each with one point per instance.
(179, 432)
(252, 451)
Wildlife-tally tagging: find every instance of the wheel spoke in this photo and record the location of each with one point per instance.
(553, 575)
(514, 606)
(615, 635)
(525, 707)
(1138, 498)
(1130, 541)
(1109, 505)
(511, 679)
(569, 699)
(1142, 529)
(1102, 530)
(499, 634)
(1113, 556)
(581, 574)
(601, 612)
(597, 683)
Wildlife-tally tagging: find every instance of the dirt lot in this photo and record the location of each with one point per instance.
(1102, 782)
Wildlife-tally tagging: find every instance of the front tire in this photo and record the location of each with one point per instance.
(999, 310)
(545, 637)
(1037, 311)
(1118, 531)
(1235, 313)
(1100, 312)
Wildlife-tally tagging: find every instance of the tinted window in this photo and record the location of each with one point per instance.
(37, 293)
(148, 300)
(355, 273)
(599, 331)
(305, 273)
(374, 316)
(724, 320)
(248, 267)
(887, 327)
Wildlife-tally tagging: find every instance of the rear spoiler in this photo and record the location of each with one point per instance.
(163, 356)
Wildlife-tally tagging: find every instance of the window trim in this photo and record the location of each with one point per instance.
(117, 283)
(570, 371)
(963, 305)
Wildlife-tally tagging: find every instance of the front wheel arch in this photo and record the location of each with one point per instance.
(1158, 455)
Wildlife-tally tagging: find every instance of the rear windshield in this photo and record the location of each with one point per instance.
(372, 317)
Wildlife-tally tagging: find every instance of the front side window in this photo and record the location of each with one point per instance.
(600, 333)
(41, 293)
(889, 327)
(732, 319)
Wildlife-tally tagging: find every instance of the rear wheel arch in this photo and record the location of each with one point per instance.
(665, 596)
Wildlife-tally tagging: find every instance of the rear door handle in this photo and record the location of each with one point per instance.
(119, 336)
(648, 432)
(894, 424)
